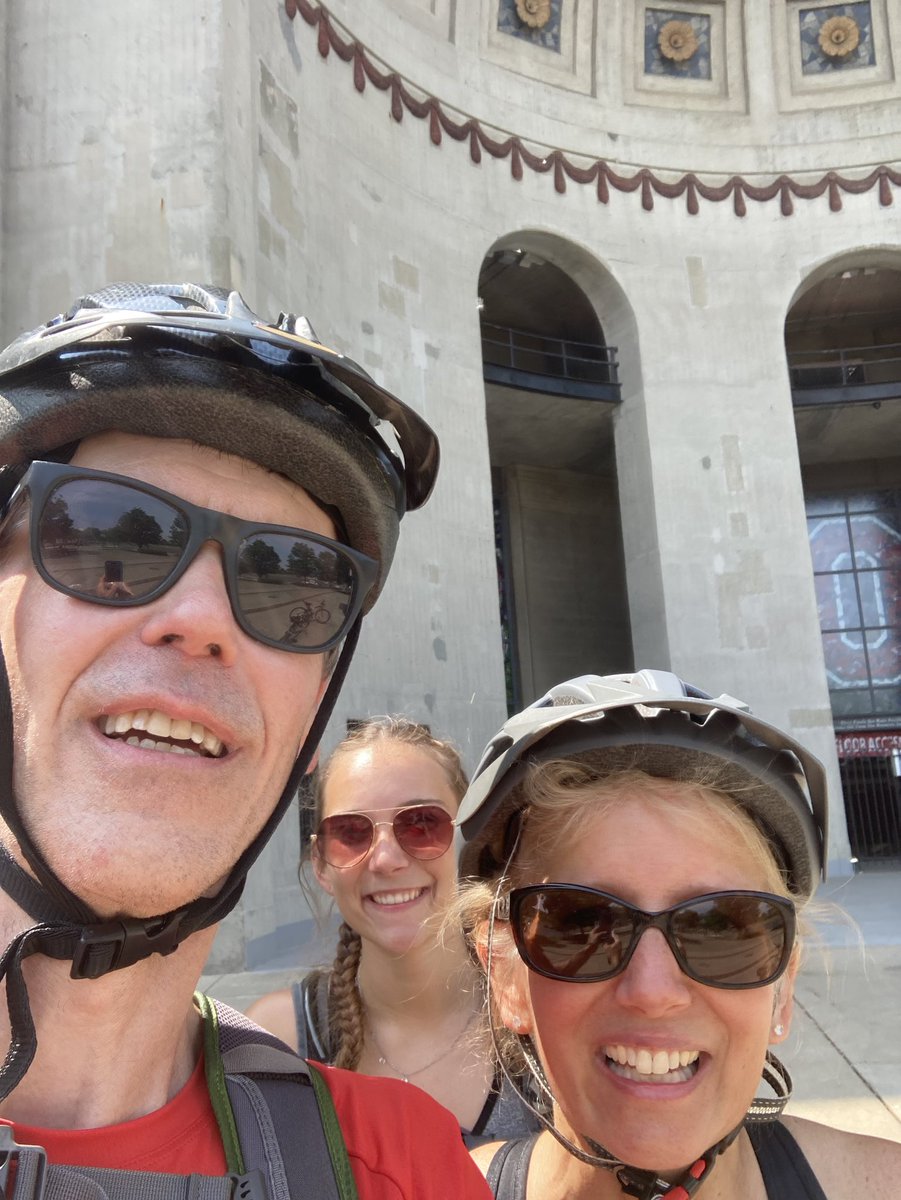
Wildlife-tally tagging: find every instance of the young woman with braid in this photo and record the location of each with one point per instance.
(399, 1000)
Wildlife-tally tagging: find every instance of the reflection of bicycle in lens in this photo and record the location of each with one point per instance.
(307, 612)
(303, 615)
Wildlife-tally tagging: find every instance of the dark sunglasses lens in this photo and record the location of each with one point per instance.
(732, 940)
(424, 830)
(345, 838)
(572, 934)
(295, 590)
(109, 540)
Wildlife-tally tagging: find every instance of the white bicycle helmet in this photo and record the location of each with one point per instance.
(666, 725)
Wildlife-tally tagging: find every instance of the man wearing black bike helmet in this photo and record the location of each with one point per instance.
(643, 851)
(177, 477)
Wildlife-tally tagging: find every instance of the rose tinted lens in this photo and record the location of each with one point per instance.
(737, 940)
(572, 933)
(345, 838)
(424, 831)
(294, 590)
(109, 540)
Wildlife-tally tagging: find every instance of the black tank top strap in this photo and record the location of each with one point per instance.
(508, 1172)
(310, 997)
(786, 1172)
(300, 1024)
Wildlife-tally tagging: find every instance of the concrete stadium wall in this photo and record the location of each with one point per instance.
(215, 141)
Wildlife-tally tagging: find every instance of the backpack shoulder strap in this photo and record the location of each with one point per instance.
(275, 1112)
(508, 1171)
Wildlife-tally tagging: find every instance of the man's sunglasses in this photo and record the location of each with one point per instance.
(113, 540)
(580, 935)
(422, 831)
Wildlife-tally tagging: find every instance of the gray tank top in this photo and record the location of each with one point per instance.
(503, 1115)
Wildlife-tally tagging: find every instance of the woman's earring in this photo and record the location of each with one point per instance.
(779, 1030)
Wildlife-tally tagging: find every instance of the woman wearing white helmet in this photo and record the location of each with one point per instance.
(642, 852)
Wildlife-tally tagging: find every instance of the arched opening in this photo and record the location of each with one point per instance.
(551, 389)
(843, 342)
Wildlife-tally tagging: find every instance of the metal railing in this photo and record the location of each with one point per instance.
(530, 354)
(847, 366)
(872, 808)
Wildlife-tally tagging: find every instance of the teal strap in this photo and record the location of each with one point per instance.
(347, 1188)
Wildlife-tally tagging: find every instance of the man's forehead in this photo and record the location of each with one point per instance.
(201, 473)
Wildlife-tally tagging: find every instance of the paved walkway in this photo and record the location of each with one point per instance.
(845, 1048)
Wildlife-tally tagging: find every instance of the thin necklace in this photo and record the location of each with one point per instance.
(406, 1076)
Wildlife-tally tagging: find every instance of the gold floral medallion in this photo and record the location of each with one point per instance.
(534, 13)
(677, 41)
(839, 36)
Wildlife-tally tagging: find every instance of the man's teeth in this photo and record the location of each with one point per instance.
(159, 725)
(636, 1062)
(395, 897)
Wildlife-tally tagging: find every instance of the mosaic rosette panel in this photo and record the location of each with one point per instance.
(850, 25)
(546, 36)
(676, 44)
(855, 543)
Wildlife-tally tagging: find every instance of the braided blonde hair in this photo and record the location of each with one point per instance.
(346, 1013)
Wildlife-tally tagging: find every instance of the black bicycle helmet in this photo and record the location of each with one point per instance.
(193, 362)
(667, 725)
(188, 361)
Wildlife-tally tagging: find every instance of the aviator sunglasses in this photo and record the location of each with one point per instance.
(422, 831)
(111, 540)
(577, 934)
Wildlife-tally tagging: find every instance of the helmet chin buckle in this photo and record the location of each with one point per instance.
(121, 943)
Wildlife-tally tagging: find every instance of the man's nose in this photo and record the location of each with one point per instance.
(195, 614)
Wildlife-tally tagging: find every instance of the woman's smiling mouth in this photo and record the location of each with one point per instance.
(644, 1065)
(389, 899)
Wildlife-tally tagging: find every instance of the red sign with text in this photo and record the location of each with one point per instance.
(868, 745)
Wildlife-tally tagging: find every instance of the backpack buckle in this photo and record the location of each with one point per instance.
(251, 1186)
(30, 1168)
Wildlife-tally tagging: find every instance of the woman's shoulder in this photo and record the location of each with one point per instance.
(275, 1012)
(483, 1155)
(847, 1164)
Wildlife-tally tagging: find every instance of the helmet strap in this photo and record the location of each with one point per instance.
(69, 930)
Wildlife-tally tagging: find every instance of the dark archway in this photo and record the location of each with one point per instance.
(551, 388)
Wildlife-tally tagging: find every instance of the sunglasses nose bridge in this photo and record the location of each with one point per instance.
(642, 923)
(389, 838)
(224, 531)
